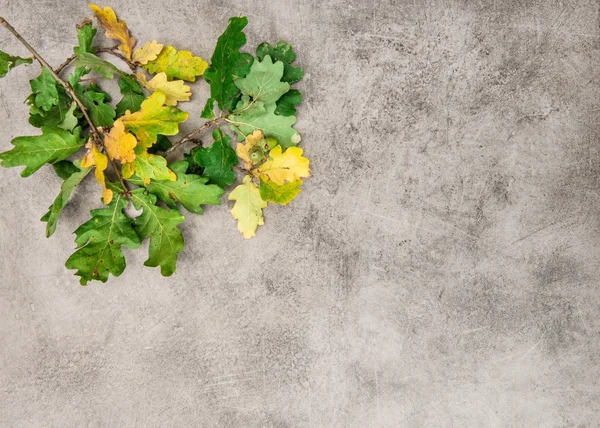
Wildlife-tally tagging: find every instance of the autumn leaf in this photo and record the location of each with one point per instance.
(174, 91)
(287, 166)
(243, 150)
(148, 52)
(115, 28)
(248, 207)
(33, 152)
(119, 144)
(270, 191)
(94, 157)
(177, 64)
(99, 242)
(147, 167)
(154, 118)
(160, 225)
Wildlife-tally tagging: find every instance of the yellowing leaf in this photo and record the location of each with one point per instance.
(115, 29)
(286, 166)
(174, 91)
(147, 166)
(95, 157)
(119, 144)
(177, 64)
(148, 52)
(152, 119)
(243, 150)
(248, 207)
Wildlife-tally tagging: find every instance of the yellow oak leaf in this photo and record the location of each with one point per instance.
(286, 166)
(174, 91)
(119, 144)
(177, 64)
(148, 52)
(95, 157)
(115, 29)
(243, 150)
(248, 207)
(153, 118)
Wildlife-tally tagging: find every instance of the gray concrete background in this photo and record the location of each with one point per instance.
(440, 268)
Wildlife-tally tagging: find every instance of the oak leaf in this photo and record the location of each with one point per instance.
(115, 28)
(177, 64)
(148, 52)
(119, 144)
(94, 157)
(174, 91)
(160, 225)
(248, 207)
(154, 118)
(33, 152)
(287, 166)
(99, 242)
(147, 167)
(270, 191)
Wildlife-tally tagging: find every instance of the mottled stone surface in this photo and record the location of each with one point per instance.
(440, 269)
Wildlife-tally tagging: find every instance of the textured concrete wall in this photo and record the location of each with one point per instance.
(440, 268)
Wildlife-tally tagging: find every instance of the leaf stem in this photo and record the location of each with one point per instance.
(190, 136)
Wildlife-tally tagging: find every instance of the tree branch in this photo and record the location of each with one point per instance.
(190, 136)
(93, 131)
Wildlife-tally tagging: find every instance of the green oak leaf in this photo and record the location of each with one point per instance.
(193, 167)
(44, 90)
(218, 160)
(92, 62)
(70, 182)
(85, 34)
(70, 120)
(263, 82)
(271, 192)
(39, 117)
(133, 96)
(7, 62)
(53, 145)
(99, 242)
(284, 53)
(162, 144)
(64, 169)
(285, 104)
(148, 166)
(190, 190)
(227, 64)
(94, 99)
(160, 225)
(252, 116)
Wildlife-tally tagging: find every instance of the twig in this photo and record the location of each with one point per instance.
(93, 131)
(190, 136)
(64, 64)
(113, 51)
